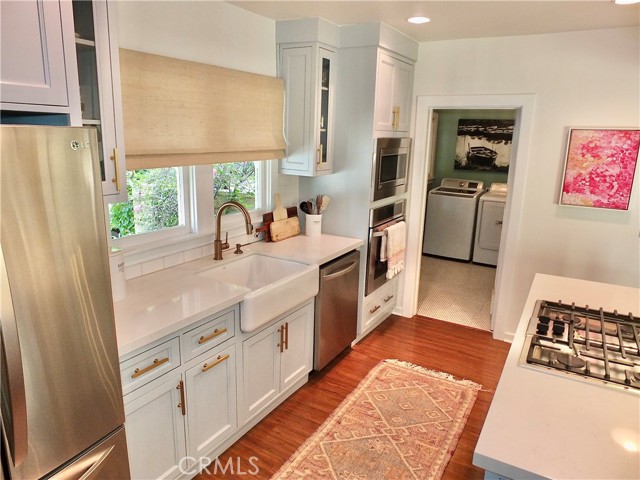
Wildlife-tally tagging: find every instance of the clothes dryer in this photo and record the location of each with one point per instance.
(489, 224)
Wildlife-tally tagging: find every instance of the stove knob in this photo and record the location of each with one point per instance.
(545, 315)
(558, 327)
(542, 328)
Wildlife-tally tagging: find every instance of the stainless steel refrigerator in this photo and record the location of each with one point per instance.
(62, 410)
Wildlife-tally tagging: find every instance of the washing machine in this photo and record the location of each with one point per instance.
(451, 218)
(489, 224)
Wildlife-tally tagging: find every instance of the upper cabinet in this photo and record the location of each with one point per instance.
(36, 38)
(394, 90)
(99, 89)
(308, 71)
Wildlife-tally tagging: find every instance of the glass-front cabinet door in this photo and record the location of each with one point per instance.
(99, 79)
(325, 117)
(309, 74)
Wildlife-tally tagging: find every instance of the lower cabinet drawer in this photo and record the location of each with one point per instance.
(208, 334)
(380, 303)
(149, 365)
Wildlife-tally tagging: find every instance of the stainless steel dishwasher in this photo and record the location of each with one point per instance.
(336, 312)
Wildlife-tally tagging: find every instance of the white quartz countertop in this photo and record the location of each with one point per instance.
(163, 302)
(546, 426)
(309, 250)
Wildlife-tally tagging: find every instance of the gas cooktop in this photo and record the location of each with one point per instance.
(585, 343)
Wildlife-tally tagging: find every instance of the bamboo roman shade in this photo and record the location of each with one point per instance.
(179, 113)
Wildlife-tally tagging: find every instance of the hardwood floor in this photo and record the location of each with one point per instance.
(426, 342)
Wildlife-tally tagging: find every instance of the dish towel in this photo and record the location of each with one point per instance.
(392, 248)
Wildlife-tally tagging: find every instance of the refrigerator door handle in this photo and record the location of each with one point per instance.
(14, 403)
(95, 469)
(86, 468)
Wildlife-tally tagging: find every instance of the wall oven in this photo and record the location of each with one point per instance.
(390, 167)
(379, 219)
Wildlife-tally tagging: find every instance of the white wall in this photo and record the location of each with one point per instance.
(588, 78)
(216, 33)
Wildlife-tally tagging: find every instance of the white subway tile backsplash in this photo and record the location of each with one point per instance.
(207, 250)
(152, 266)
(173, 260)
(192, 254)
(132, 271)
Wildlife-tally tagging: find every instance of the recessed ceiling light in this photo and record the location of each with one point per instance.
(418, 20)
(625, 2)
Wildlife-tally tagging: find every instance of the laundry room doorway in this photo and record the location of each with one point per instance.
(471, 150)
(483, 112)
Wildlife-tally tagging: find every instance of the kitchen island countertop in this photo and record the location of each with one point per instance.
(546, 426)
(163, 302)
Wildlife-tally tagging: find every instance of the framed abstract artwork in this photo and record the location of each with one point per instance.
(599, 167)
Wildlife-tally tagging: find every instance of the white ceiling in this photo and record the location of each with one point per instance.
(454, 19)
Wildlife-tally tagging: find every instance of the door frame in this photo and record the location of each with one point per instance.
(524, 105)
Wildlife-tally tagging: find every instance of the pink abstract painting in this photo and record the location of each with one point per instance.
(600, 167)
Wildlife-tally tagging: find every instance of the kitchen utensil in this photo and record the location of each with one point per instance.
(279, 213)
(304, 208)
(283, 229)
(318, 204)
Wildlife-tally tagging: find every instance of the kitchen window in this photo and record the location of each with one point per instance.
(172, 204)
(157, 201)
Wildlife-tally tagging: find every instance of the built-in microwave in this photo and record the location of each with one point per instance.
(390, 167)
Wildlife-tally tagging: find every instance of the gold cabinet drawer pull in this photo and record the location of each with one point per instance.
(386, 299)
(215, 333)
(156, 363)
(218, 360)
(374, 309)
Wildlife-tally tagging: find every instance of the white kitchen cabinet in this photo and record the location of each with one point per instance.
(275, 359)
(379, 305)
(155, 428)
(180, 397)
(309, 73)
(211, 401)
(37, 48)
(99, 89)
(394, 91)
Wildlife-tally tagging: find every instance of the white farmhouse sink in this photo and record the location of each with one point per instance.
(274, 285)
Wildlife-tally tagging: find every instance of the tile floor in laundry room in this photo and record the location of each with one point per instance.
(456, 292)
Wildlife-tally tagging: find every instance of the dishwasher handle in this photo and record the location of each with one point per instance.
(341, 272)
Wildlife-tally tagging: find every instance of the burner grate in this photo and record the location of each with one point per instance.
(592, 343)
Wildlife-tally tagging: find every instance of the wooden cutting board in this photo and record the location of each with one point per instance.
(279, 213)
(283, 229)
(267, 219)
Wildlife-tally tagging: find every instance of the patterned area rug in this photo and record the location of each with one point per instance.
(401, 422)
